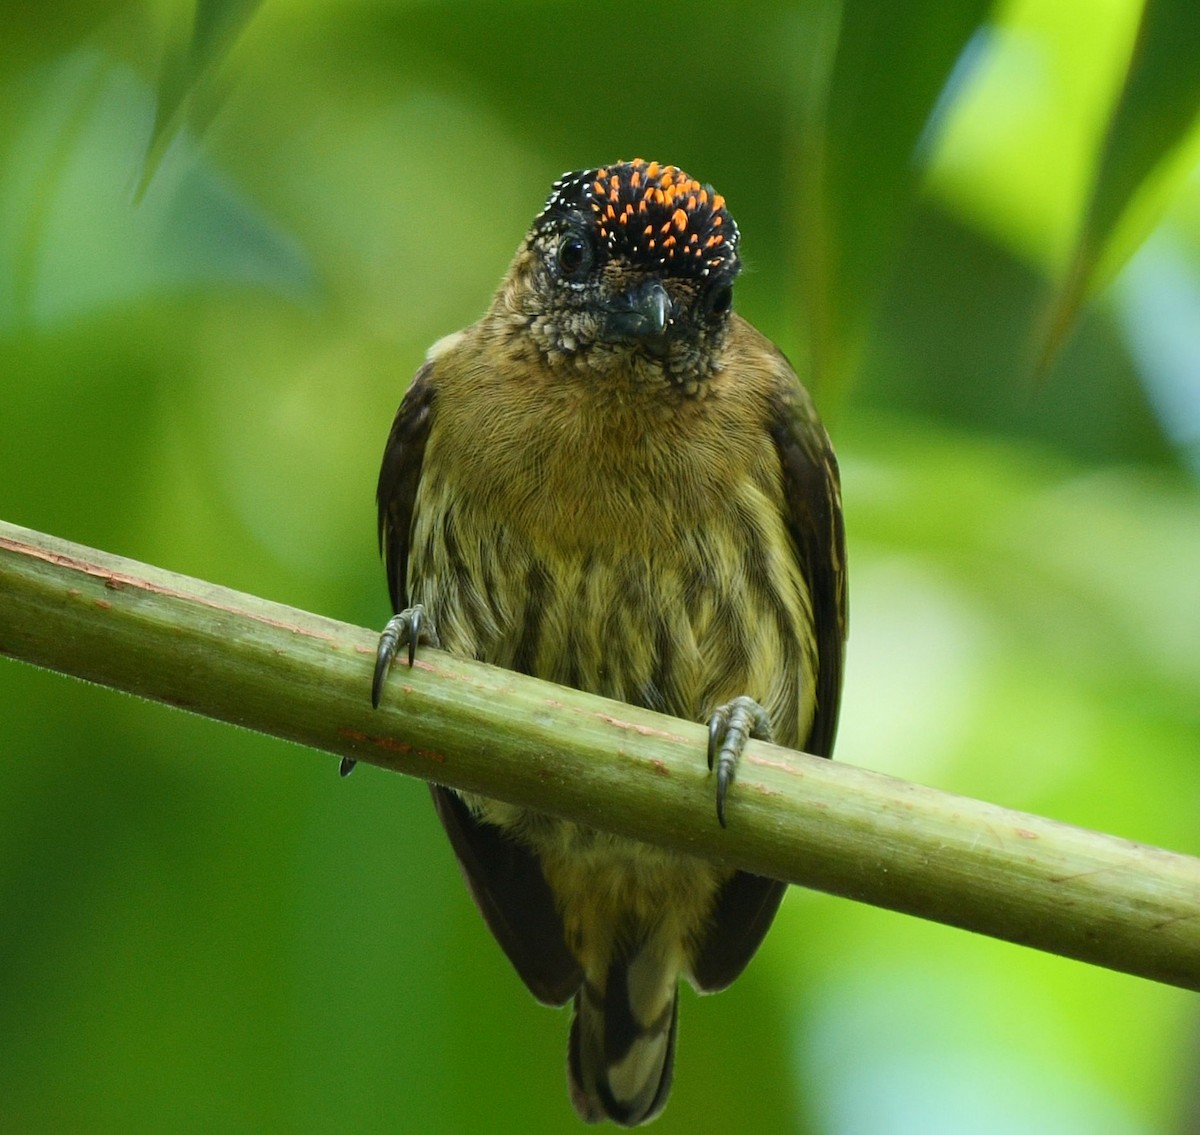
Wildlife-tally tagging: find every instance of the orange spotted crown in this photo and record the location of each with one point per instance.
(649, 215)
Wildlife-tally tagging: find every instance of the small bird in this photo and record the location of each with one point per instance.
(613, 482)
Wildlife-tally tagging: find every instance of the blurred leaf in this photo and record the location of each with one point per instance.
(1156, 110)
(892, 62)
(188, 73)
(983, 300)
(1016, 150)
(36, 32)
(72, 243)
(1157, 301)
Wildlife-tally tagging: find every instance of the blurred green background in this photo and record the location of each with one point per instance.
(227, 235)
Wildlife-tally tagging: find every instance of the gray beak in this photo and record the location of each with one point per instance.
(644, 314)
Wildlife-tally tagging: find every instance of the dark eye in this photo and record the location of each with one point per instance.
(719, 300)
(574, 256)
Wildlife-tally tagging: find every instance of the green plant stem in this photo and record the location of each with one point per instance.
(818, 823)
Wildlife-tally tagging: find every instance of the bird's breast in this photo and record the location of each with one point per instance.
(674, 617)
(615, 540)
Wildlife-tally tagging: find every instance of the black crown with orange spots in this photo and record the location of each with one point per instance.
(649, 215)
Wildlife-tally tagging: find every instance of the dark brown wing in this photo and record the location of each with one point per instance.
(747, 904)
(504, 878)
(512, 894)
(813, 494)
(399, 476)
(739, 922)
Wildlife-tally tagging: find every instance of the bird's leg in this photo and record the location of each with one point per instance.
(729, 728)
(410, 626)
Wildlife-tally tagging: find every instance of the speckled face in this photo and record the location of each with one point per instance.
(633, 264)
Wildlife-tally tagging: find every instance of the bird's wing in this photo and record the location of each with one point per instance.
(813, 503)
(399, 476)
(813, 515)
(506, 881)
(504, 878)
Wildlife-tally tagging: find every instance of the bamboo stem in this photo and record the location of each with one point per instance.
(821, 824)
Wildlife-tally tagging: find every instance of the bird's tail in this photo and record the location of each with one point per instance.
(622, 1048)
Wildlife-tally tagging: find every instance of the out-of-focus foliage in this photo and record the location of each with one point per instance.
(227, 236)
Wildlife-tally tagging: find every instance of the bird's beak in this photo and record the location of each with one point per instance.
(643, 315)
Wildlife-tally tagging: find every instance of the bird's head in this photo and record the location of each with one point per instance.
(629, 267)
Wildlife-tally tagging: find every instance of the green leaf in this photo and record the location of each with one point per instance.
(73, 244)
(861, 133)
(1146, 153)
(186, 86)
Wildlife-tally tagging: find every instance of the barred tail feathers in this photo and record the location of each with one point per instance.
(621, 1052)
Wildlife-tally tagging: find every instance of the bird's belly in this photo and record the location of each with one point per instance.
(680, 627)
(608, 885)
(680, 624)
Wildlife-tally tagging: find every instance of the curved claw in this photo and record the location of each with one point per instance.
(384, 653)
(409, 626)
(716, 728)
(397, 627)
(416, 623)
(724, 778)
(729, 728)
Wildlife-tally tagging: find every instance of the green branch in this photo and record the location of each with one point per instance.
(817, 823)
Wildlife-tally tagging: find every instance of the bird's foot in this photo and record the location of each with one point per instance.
(410, 627)
(729, 728)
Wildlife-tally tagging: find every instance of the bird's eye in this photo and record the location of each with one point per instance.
(720, 300)
(574, 256)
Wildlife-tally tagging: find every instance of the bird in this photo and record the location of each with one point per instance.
(614, 482)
